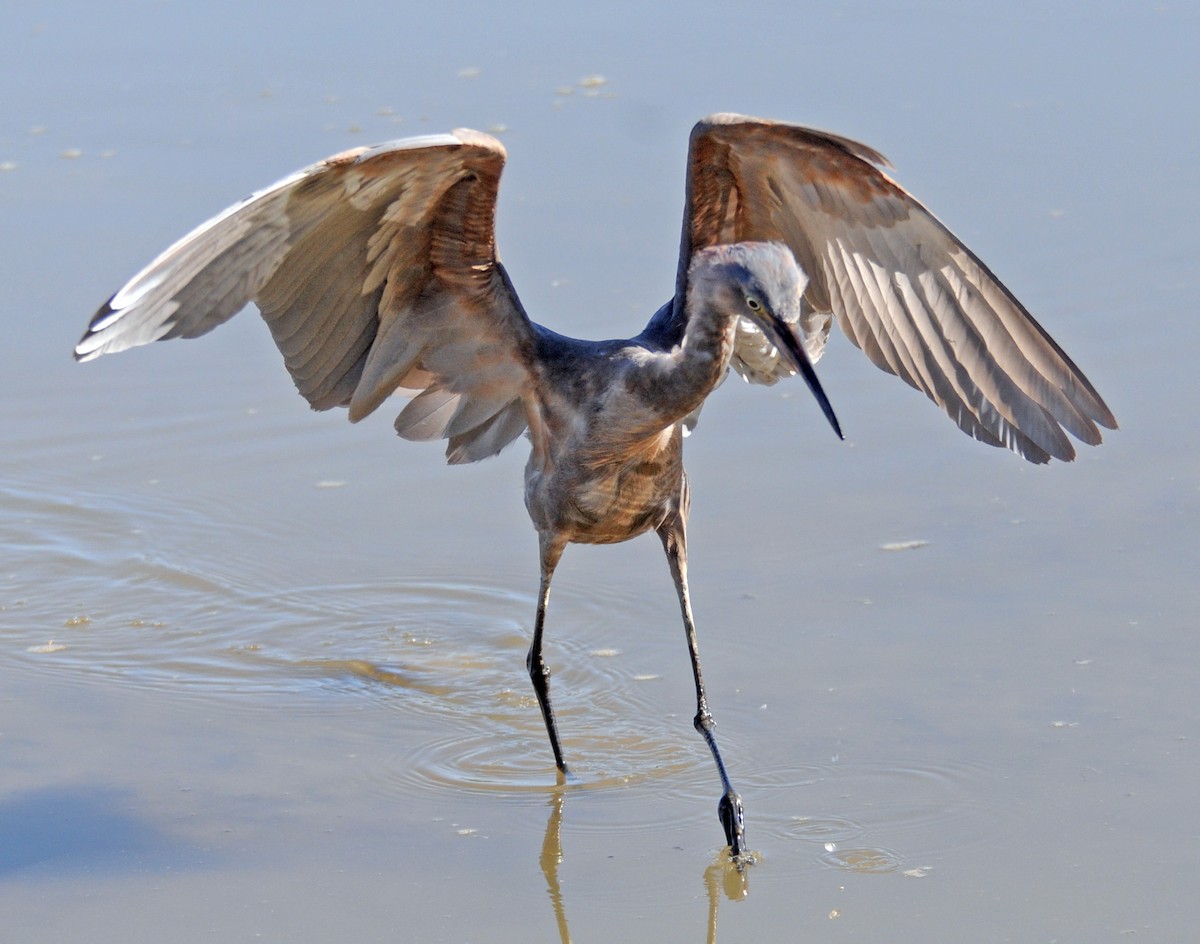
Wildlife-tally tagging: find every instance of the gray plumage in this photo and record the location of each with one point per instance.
(376, 271)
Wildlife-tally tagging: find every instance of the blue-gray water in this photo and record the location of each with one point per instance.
(262, 672)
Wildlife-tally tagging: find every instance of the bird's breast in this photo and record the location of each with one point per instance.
(609, 496)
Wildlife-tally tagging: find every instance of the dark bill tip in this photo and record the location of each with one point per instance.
(786, 338)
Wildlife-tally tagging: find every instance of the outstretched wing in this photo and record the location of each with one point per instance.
(902, 287)
(376, 271)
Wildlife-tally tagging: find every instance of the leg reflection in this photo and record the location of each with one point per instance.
(552, 856)
(724, 877)
(728, 877)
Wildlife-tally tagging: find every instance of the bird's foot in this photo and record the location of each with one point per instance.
(733, 819)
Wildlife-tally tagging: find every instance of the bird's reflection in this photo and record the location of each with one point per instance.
(723, 876)
(551, 858)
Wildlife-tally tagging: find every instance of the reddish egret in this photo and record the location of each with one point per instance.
(376, 271)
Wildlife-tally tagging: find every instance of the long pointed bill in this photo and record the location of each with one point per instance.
(784, 338)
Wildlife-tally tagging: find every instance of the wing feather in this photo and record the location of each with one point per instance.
(375, 271)
(902, 287)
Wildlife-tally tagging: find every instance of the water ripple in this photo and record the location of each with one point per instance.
(447, 656)
(878, 817)
(112, 601)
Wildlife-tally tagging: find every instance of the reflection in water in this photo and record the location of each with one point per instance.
(90, 829)
(724, 876)
(551, 858)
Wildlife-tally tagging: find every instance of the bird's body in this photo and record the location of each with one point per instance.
(607, 457)
(377, 273)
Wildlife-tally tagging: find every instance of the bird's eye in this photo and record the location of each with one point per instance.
(753, 304)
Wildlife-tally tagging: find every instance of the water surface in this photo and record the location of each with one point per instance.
(263, 671)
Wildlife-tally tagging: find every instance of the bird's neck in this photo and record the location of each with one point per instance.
(703, 355)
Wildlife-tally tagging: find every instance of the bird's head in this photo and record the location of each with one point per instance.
(759, 281)
(762, 283)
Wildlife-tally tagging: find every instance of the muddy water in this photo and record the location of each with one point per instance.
(262, 671)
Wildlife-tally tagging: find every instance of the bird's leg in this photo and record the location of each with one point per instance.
(729, 809)
(539, 674)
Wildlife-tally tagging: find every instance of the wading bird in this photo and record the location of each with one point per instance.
(376, 271)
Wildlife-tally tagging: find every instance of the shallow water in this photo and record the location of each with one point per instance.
(263, 671)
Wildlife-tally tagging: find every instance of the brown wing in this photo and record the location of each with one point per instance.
(902, 287)
(376, 270)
